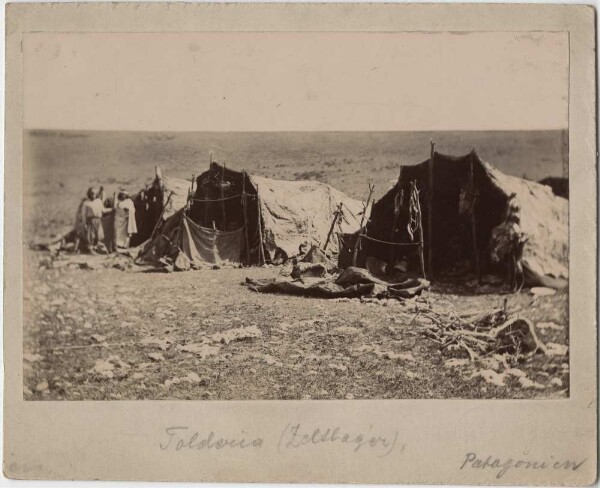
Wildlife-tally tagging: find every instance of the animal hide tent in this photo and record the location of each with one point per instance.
(468, 200)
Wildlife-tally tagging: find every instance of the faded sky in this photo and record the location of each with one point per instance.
(296, 81)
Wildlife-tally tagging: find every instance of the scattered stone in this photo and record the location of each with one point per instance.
(174, 381)
(138, 376)
(349, 396)
(162, 344)
(194, 378)
(272, 361)
(548, 325)
(490, 376)
(203, 349)
(156, 356)
(98, 337)
(516, 372)
(455, 362)
(345, 330)
(104, 368)
(542, 291)
(497, 362)
(42, 386)
(554, 349)
(527, 383)
(237, 334)
(32, 358)
(556, 382)
(283, 327)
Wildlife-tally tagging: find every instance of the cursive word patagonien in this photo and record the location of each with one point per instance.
(183, 438)
(502, 466)
(295, 436)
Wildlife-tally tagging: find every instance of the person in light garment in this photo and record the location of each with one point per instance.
(92, 211)
(80, 232)
(125, 210)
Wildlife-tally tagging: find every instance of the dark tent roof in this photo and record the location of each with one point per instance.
(290, 213)
(543, 217)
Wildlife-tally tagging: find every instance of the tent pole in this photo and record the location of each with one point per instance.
(261, 251)
(223, 198)
(397, 205)
(473, 218)
(336, 216)
(421, 244)
(206, 195)
(245, 218)
(161, 215)
(430, 212)
(360, 229)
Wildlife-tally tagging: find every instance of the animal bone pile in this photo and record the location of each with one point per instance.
(482, 333)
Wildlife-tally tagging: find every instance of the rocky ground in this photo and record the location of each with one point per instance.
(97, 330)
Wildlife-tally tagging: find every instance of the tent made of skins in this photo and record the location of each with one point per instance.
(162, 197)
(468, 202)
(232, 218)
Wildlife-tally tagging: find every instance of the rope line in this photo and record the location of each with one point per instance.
(391, 243)
(221, 199)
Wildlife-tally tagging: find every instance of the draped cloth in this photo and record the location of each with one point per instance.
(202, 245)
(121, 225)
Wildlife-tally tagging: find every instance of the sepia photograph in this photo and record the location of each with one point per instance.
(424, 256)
(301, 243)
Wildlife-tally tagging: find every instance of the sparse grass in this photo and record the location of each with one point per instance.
(64, 307)
(312, 357)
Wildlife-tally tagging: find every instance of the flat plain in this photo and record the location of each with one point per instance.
(96, 332)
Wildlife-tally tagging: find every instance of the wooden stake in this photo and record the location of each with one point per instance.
(397, 200)
(420, 234)
(161, 215)
(245, 218)
(261, 251)
(430, 212)
(206, 196)
(223, 198)
(190, 196)
(336, 216)
(473, 217)
(360, 229)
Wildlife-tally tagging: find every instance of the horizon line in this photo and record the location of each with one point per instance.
(45, 129)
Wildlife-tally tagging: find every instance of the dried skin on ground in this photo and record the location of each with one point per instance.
(109, 334)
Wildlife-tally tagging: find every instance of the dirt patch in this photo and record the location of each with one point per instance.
(101, 334)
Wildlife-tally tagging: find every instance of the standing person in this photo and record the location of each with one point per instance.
(101, 195)
(92, 210)
(80, 232)
(125, 224)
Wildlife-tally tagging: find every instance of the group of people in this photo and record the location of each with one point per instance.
(104, 223)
